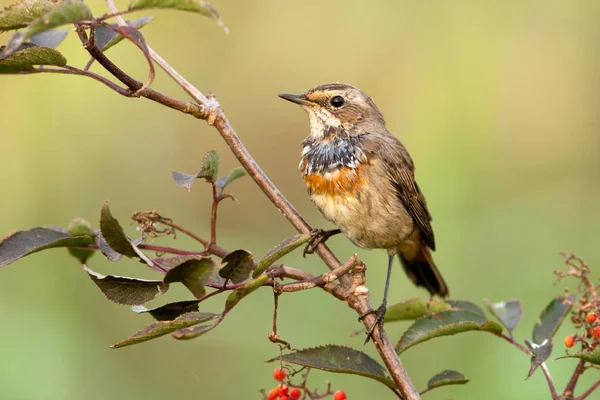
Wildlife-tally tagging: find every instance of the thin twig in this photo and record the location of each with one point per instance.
(135, 86)
(528, 352)
(69, 70)
(589, 391)
(320, 280)
(569, 391)
(185, 85)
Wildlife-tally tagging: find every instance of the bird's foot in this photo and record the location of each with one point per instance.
(380, 314)
(317, 237)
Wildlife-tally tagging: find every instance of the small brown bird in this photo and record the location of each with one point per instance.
(361, 178)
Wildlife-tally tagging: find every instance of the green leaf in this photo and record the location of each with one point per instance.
(161, 328)
(444, 323)
(27, 56)
(169, 311)
(445, 378)
(125, 290)
(340, 359)
(589, 356)
(509, 312)
(194, 331)
(22, 243)
(193, 273)
(466, 306)
(277, 252)
(105, 38)
(80, 227)
(540, 354)
(237, 266)
(210, 166)
(238, 294)
(65, 12)
(198, 6)
(208, 170)
(105, 249)
(235, 173)
(551, 318)
(50, 39)
(113, 233)
(19, 15)
(414, 308)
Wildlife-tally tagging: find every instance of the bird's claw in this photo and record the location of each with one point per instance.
(317, 237)
(380, 314)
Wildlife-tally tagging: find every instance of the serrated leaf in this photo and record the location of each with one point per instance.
(106, 250)
(28, 56)
(113, 233)
(193, 273)
(447, 377)
(235, 173)
(540, 352)
(125, 290)
(340, 359)
(208, 170)
(238, 294)
(22, 243)
(589, 356)
(169, 311)
(80, 227)
(277, 252)
(105, 38)
(509, 313)
(551, 318)
(50, 39)
(161, 328)
(210, 166)
(19, 15)
(444, 323)
(198, 6)
(414, 308)
(237, 266)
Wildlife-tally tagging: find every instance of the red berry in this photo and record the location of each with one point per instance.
(591, 317)
(570, 340)
(339, 395)
(279, 374)
(273, 394)
(596, 332)
(284, 397)
(295, 393)
(283, 389)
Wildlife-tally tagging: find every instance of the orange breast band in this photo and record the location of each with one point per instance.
(339, 182)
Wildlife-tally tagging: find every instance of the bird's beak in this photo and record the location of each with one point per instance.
(298, 99)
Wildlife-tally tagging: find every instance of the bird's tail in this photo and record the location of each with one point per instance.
(421, 269)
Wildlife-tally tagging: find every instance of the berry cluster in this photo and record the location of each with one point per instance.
(592, 330)
(283, 392)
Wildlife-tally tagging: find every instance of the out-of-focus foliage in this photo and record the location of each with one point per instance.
(497, 102)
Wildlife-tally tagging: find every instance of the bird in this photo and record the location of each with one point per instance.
(362, 179)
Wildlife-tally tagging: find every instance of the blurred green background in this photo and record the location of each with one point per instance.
(497, 102)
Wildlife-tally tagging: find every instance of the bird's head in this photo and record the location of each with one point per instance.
(338, 109)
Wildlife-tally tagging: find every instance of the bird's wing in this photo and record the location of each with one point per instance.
(401, 172)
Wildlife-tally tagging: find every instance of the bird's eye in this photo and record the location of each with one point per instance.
(337, 101)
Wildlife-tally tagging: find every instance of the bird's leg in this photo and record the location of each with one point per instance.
(318, 236)
(380, 312)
